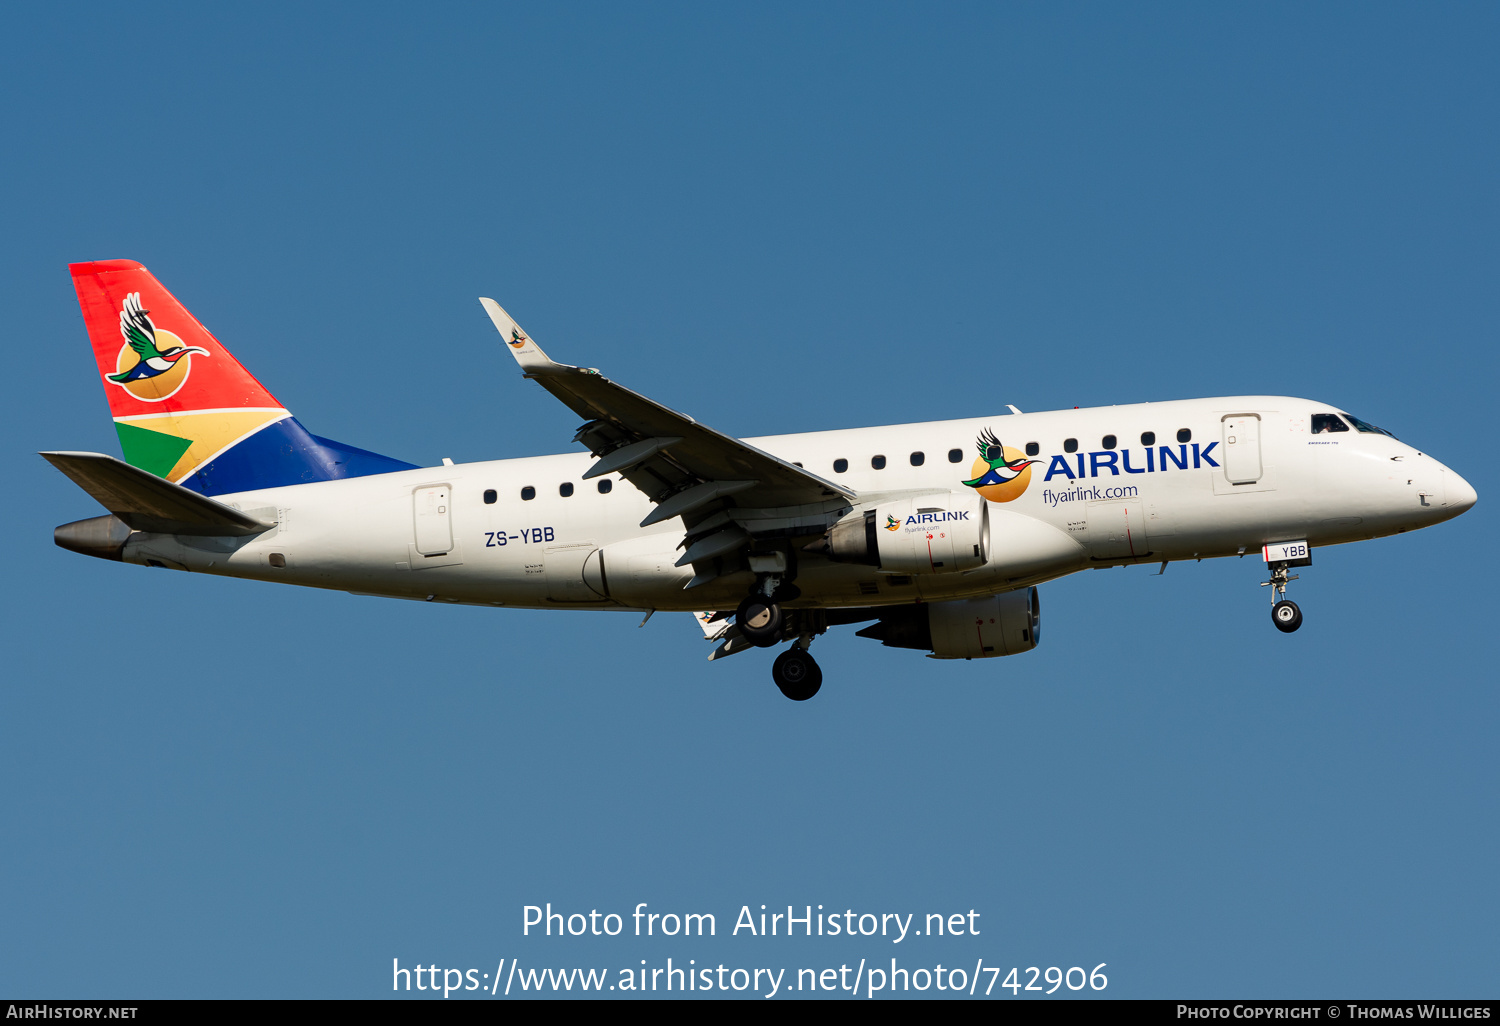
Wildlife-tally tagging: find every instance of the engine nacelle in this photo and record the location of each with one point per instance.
(942, 533)
(980, 628)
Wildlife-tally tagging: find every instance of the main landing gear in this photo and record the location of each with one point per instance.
(759, 620)
(759, 616)
(1284, 613)
(762, 623)
(796, 674)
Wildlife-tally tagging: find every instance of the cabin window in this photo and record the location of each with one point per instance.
(490, 496)
(1366, 426)
(1109, 442)
(839, 466)
(1148, 437)
(565, 489)
(528, 493)
(606, 486)
(1322, 423)
(1070, 445)
(955, 455)
(1033, 448)
(918, 458)
(878, 462)
(1184, 434)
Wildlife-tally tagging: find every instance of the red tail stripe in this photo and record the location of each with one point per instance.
(213, 382)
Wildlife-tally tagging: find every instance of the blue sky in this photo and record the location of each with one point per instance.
(775, 218)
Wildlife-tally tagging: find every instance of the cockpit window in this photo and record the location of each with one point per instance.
(1326, 422)
(1367, 427)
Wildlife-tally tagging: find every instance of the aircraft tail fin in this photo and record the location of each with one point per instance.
(184, 408)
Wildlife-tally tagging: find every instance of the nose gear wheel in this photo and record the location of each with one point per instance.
(1286, 616)
(1284, 612)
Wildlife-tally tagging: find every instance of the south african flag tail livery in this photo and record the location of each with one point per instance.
(184, 408)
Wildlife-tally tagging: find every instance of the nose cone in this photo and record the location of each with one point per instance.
(1460, 494)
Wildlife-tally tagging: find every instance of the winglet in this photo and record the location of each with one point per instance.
(527, 353)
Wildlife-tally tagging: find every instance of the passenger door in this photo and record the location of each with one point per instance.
(1242, 464)
(434, 524)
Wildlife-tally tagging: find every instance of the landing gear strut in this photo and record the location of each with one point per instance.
(1284, 613)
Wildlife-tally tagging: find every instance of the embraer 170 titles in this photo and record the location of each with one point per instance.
(934, 534)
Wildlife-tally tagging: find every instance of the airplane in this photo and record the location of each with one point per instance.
(934, 534)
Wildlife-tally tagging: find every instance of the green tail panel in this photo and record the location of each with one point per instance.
(152, 451)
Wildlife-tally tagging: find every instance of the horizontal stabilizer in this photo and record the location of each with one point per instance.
(730, 647)
(149, 503)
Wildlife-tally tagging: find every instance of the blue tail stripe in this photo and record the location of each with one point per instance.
(286, 453)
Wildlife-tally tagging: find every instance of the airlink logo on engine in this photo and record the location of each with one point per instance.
(936, 518)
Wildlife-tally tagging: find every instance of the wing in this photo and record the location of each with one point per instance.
(724, 490)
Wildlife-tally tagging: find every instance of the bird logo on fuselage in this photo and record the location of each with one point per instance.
(1000, 473)
(161, 362)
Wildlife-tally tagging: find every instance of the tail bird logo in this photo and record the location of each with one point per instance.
(891, 523)
(517, 338)
(153, 363)
(1000, 473)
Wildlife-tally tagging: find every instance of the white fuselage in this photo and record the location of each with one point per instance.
(1095, 506)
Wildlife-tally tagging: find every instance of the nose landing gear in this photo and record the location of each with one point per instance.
(1284, 612)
